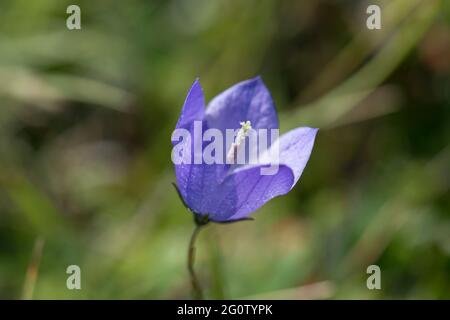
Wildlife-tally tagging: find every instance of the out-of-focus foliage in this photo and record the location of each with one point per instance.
(85, 171)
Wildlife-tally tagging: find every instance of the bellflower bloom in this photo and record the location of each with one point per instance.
(227, 192)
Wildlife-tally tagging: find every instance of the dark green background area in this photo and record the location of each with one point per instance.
(85, 170)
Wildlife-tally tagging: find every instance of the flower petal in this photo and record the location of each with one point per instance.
(294, 150)
(196, 182)
(193, 108)
(246, 190)
(247, 100)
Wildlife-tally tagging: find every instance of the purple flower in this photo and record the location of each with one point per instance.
(223, 192)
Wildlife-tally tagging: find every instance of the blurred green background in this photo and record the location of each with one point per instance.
(85, 170)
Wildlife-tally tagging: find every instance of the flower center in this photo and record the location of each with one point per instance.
(246, 126)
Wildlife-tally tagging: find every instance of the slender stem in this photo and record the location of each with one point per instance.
(196, 288)
(33, 269)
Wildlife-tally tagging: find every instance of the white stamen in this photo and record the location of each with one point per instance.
(240, 137)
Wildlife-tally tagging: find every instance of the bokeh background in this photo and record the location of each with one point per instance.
(85, 170)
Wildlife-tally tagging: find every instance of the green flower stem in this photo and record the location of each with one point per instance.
(196, 288)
